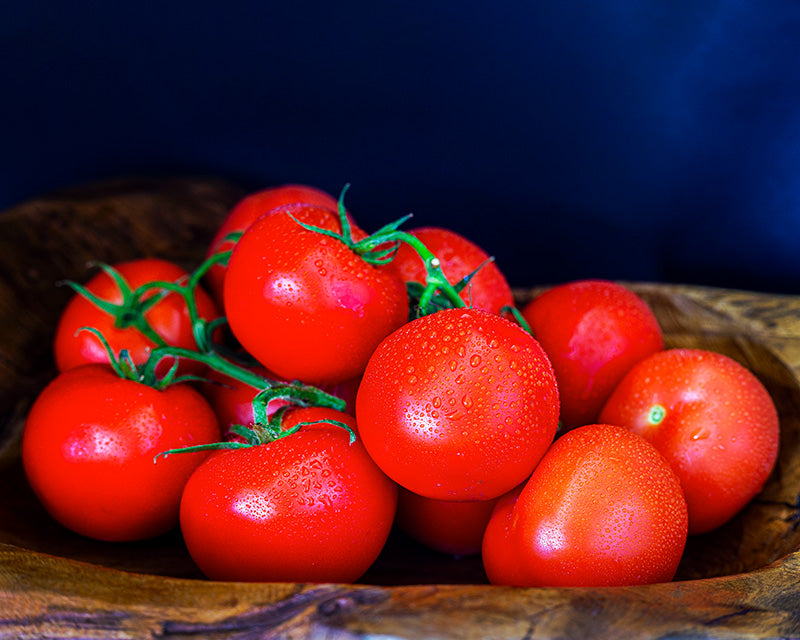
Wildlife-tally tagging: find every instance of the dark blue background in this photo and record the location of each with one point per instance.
(632, 140)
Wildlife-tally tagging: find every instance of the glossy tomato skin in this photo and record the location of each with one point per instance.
(711, 418)
(603, 508)
(458, 405)
(88, 450)
(307, 507)
(447, 526)
(169, 318)
(594, 331)
(248, 210)
(304, 304)
(459, 256)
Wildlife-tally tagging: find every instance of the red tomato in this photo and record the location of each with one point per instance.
(459, 257)
(711, 418)
(89, 445)
(248, 210)
(593, 331)
(309, 507)
(603, 508)
(232, 399)
(304, 304)
(169, 318)
(450, 527)
(458, 405)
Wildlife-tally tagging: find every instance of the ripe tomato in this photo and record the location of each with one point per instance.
(311, 506)
(593, 331)
(169, 318)
(711, 418)
(458, 405)
(602, 508)
(451, 527)
(304, 304)
(459, 257)
(88, 450)
(232, 399)
(248, 210)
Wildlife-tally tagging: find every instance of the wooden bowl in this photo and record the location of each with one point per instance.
(742, 580)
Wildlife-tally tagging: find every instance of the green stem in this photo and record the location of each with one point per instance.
(435, 280)
(297, 393)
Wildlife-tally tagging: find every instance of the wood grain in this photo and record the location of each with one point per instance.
(741, 581)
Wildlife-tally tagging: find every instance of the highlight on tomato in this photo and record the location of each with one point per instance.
(602, 508)
(711, 418)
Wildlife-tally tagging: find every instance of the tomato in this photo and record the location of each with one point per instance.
(603, 508)
(711, 418)
(593, 331)
(248, 210)
(309, 507)
(232, 399)
(169, 318)
(304, 304)
(459, 257)
(458, 405)
(448, 526)
(88, 450)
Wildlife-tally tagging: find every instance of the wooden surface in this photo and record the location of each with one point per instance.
(742, 581)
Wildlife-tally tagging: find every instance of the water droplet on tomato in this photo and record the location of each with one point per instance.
(475, 360)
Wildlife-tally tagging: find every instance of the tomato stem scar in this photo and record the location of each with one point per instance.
(656, 414)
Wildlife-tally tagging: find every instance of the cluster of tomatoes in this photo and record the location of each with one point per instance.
(310, 386)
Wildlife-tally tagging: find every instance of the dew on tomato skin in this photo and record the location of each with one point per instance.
(475, 360)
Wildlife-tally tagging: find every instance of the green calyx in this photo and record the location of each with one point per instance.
(131, 311)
